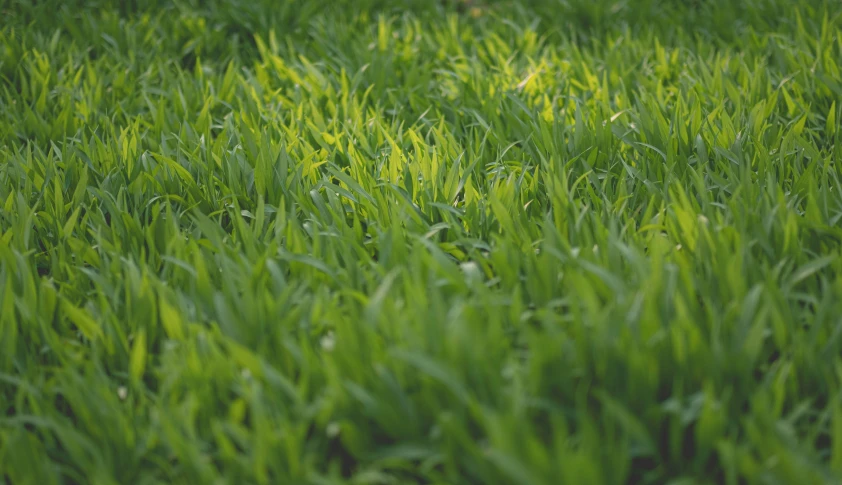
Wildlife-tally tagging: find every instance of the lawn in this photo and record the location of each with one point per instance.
(404, 242)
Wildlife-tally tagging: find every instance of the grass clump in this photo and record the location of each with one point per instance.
(418, 242)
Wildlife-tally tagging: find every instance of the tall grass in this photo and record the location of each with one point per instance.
(420, 242)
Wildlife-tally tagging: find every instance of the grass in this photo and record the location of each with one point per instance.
(376, 242)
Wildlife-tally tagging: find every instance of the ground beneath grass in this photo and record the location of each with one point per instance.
(393, 242)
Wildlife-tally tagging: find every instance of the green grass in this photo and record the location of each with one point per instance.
(372, 242)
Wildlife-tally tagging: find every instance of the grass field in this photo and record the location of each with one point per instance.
(394, 242)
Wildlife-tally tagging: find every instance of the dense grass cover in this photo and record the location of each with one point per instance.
(376, 242)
